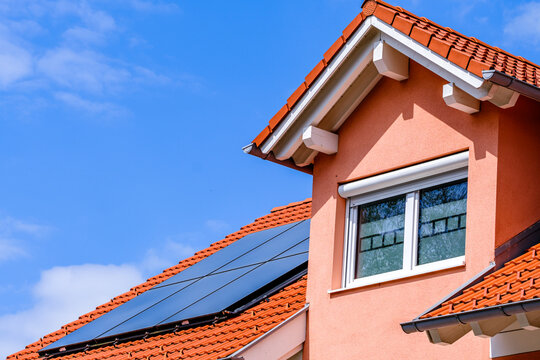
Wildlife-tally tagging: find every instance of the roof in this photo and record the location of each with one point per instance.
(466, 52)
(203, 342)
(518, 280)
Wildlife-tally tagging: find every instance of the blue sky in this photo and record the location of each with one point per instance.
(122, 123)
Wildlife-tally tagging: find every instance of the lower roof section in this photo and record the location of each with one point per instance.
(509, 295)
(212, 341)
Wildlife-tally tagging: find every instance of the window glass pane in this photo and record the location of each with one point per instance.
(380, 237)
(441, 228)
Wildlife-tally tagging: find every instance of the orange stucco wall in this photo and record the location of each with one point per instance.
(399, 124)
(518, 189)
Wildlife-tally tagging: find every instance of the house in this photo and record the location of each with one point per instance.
(423, 144)
(424, 147)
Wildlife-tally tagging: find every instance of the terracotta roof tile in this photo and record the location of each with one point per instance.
(467, 52)
(315, 72)
(296, 95)
(517, 280)
(203, 342)
(334, 49)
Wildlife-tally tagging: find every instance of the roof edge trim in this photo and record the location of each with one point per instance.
(254, 150)
(512, 83)
(471, 316)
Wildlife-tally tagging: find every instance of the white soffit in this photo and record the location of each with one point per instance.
(280, 343)
(319, 98)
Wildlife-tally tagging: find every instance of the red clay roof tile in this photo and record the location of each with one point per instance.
(403, 24)
(385, 14)
(262, 136)
(279, 115)
(353, 25)
(421, 35)
(467, 52)
(203, 342)
(517, 280)
(315, 72)
(333, 50)
(440, 46)
(459, 58)
(296, 95)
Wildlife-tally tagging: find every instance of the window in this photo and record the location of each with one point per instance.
(406, 222)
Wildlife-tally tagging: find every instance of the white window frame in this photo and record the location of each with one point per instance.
(406, 181)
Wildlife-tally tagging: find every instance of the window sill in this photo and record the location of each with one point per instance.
(402, 274)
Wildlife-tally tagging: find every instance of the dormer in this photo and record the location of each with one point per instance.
(424, 145)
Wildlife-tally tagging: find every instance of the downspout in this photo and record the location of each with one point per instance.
(252, 149)
(512, 83)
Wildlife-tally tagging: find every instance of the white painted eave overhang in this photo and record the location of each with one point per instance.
(353, 73)
(279, 343)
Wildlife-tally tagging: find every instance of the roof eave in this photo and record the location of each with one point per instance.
(510, 82)
(252, 149)
(285, 140)
(466, 317)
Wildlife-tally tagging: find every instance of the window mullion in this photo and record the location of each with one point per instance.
(408, 231)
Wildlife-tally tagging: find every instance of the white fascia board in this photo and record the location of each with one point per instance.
(284, 340)
(315, 88)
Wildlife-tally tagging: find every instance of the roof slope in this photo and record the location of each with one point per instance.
(203, 342)
(517, 280)
(466, 52)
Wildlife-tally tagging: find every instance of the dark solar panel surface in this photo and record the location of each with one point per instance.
(208, 287)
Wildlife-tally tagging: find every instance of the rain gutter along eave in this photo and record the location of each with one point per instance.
(510, 82)
(419, 325)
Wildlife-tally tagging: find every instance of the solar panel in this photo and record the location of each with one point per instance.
(209, 287)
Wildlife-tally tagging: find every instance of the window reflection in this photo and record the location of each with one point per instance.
(380, 237)
(442, 222)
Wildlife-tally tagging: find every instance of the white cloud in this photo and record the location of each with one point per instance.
(106, 109)
(216, 225)
(10, 225)
(61, 295)
(83, 35)
(10, 249)
(15, 61)
(81, 70)
(13, 233)
(151, 6)
(168, 254)
(524, 27)
(95, 19)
